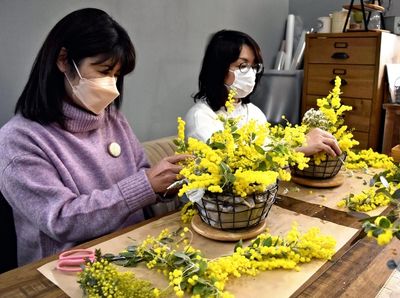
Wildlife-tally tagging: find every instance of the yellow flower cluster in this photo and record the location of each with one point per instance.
(230, 107)
(189, 272)
(368, 158)
(268, 252)
(101, 279)
(333, 120)
(241, 160)
(187, 212)
(366, 201)
(382, 229)
(385, 190)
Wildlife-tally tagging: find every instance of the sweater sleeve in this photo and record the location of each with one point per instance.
(137, 187)
(34, 188)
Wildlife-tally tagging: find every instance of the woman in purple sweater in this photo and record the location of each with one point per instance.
(71, 167)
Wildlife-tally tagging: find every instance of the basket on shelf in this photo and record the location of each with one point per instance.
(326, 169)
(229, 212)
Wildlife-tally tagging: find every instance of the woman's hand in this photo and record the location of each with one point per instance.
(164, 173)
(320, 140)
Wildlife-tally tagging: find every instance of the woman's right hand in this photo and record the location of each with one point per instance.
(164, 173)
(320, 140)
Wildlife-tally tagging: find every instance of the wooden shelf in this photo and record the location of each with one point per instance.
(367, 7)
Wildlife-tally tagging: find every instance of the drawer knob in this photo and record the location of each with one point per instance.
(340, 55)
(332, 82)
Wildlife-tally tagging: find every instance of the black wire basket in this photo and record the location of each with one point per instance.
(326, 169)
(229, 212)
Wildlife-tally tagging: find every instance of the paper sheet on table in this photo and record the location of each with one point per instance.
(354, 182)
(393, 72)
(277, 283)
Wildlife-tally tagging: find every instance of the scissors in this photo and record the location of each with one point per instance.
(71, 260)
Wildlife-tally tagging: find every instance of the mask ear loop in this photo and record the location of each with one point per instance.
(77, 70)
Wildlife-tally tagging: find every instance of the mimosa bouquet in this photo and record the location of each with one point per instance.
(330, 117)
(240, 161)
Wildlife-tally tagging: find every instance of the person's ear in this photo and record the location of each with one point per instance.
(62, 60)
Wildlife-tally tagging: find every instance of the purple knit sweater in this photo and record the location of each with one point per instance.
(64, 186)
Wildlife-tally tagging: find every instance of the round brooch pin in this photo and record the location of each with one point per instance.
(114, 149)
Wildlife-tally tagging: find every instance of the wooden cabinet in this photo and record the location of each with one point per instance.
(359, 59)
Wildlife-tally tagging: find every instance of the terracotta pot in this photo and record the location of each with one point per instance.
(229, 212)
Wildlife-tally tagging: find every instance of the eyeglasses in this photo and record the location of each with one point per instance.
(245, 67)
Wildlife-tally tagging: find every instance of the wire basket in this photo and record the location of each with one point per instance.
(326, 169)
(229, 212)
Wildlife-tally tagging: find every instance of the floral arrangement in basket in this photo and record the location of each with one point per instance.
(237, 166)
(330, 117)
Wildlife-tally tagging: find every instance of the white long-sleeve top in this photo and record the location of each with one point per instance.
(202, 121)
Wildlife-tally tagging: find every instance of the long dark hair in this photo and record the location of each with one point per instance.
(83, 33)
(223, 49)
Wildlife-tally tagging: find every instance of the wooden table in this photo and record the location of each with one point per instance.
(361, 268)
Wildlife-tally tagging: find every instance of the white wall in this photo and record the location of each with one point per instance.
(169, 35)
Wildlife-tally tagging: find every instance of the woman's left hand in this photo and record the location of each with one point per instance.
(320, 140)
(164, 173)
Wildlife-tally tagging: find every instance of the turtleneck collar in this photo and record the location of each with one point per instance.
(79, 120)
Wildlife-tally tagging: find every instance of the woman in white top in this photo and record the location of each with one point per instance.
(233, 61)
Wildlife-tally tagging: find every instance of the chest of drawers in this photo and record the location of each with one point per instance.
(359, 59)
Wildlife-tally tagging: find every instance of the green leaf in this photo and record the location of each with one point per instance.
(202, 267)
(239, 244)
(257, 242)
(235, 136)
(267, 242)
(224, 167)
(199, 289)
(132, 248)
(108, 256)
(384, 223)
(177, 142)
(396, 194)
(231, 178)
(177, 232)
(397, 234)
(181, 255)
(217, 145)
(377, 232)
(262, 166)
(259, 149)
(281, 149)
(384, 191)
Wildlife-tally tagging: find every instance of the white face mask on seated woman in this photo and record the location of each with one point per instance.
(94, 94)
(244, 82)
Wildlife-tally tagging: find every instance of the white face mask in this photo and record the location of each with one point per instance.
(94, 94)
(244, 82)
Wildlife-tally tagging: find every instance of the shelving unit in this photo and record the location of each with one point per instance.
(364, 8)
